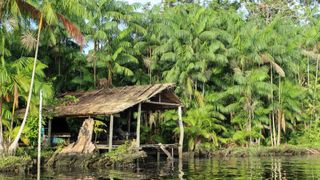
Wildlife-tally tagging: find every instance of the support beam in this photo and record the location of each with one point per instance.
(110, 133)
(49, 132)
(138, 125)
(180, 148)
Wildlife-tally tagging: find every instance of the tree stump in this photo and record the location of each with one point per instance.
(84, 144)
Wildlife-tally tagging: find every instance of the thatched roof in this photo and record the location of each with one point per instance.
(116, 100)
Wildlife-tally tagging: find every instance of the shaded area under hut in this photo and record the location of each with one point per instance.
(121, 101)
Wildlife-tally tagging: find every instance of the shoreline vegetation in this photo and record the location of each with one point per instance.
(246, 72)
(126, 156)
(263, 151)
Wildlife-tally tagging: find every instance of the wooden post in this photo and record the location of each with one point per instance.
(49, 132)
(129, 121)
(158, 155)
(110, 133)
(172, 152)
(138, 125)
(180, 148)
(39, 136)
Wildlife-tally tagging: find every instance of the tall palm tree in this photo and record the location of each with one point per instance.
(48, 14)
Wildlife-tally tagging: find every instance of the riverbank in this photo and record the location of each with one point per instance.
(15, 164)
(263, 151)
(125, 156)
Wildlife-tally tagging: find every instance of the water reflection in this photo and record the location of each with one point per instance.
(194, 168)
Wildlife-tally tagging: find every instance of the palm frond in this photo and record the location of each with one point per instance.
(72, 29)
(28, 40)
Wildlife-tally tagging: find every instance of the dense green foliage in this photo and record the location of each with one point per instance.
(246, 72)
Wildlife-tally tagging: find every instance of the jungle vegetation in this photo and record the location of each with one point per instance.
(247, 71)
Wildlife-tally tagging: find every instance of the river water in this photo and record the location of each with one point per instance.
(297, 167)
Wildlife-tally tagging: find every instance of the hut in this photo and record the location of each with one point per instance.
(112, 101)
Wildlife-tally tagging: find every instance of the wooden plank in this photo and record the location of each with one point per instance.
(105, 146)
(138, 125)
(180, 149)
(158, 146)
(110, 133)
(155, 146)
(163, 103)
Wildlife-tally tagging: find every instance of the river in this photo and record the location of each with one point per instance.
(297, 167)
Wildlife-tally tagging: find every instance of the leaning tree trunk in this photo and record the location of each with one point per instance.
(14, 144)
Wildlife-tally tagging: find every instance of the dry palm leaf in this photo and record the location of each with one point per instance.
(28, 9)
(147, 62)
(276, 67)
(311, 54)
(91, 56)
(36, 14)
(152, 119)
(29, 41)
(73, 30)
(13, 23)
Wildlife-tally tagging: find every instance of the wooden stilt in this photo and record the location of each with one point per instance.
(129, 121)
(49, 132)
(158, 155)
(110, 133)
(138, 125)
(180, 148)
(172, 152)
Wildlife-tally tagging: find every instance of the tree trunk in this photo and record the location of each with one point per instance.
(315, 92)
(279, 114)
(1, 133)
(308, 72)
(272, 123)
(14, 145)
(149, 68)
(95, 66)
(84, 143)
(180, 148)
(270, 128)
(249, 128)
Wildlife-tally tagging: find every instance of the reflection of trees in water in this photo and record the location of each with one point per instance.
(254, 168)
(194, 168)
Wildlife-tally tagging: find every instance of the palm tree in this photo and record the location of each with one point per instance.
(249, 87)
(191, 46)
(47, 12)
(203, 124)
